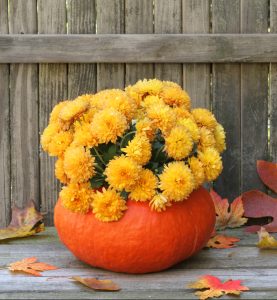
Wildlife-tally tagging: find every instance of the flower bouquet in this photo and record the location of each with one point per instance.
(132, 163)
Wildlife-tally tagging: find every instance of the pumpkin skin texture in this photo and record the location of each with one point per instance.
(142, 240)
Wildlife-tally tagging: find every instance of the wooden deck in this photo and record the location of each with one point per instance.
(258, 269)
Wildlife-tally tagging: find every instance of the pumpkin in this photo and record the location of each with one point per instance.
(142, 240)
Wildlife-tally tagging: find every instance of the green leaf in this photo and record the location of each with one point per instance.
(124, 194)
(110, 152)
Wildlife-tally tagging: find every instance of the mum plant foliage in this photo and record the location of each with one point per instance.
(143, 144)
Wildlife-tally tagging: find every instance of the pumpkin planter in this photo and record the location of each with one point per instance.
(142, 240)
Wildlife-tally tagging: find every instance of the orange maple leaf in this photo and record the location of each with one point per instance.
(222, 242)
(228, 215)
(98, 284)
(215, 288)
(30, 266)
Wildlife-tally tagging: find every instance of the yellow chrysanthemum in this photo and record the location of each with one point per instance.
(197, 170)
(204, 117)
(77, 197)
(175, 96)
(108, 206)
(49, 132)
(182, 113)
(122, 173)
(54, 116)
(84, 135)
(59, 143)
(219, 135)
(178, 144)
(73, 109)
(207, 138)
(145, 187)
(59, 171)
(176, 181)
(78, 164)
(108, 124)
(159, 203)
(212, 163)
(146, 126)
(152, 100)
(139, 149)
(192, 127)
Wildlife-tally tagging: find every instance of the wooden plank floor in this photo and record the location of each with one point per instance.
(258, 269)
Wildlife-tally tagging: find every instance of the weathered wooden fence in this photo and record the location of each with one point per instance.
(222, 51)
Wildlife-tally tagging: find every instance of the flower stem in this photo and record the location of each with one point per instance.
(99, 156)
(125, 136)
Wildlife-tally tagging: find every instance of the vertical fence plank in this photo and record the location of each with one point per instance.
(5, 156)
(52, 88)
(168, 19)
(24, 111)
(254, 96)
(138, 19)
(273, 88)
(110, 19)
(196, 79)
(226, 99)
(81, 19)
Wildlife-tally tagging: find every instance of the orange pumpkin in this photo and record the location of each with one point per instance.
(142, 240)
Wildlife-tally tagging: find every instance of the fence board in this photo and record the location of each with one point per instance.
(81, 19)
(196, 77)
(23, 111)
(5, 180)
(52, 88)
(254, 96)
(273, 88)
(110, 19)
(171, 11)
(227, 98)
(138, 19)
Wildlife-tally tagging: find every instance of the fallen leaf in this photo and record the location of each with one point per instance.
(25, 222)
(257, 205)
(97, 284)
(215, 288)
(266, 241)
(228, 215)
(268, 173)
(30, 266)
(222, 242)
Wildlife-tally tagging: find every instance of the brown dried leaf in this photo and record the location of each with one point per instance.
(25, 222)
(97, 284)
(222, 242)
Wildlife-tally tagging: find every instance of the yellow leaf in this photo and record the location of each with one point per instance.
(266, 241)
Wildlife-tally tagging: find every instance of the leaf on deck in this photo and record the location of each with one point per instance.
(222, 242)
(97, 284)
(266, 241)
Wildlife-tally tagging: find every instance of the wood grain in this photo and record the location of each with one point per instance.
(110, 19)
(5, 155)
(52, 89)
(138, 19)
(24, 111)
(196, 77)
(254, 98)
(81, 18)
(171, 11)
(226, 99)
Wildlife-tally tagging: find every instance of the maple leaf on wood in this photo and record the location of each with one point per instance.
(31, 266)
(222, 242)
(268, 173)
(215, 288)
(228, 216)
(25, 222)
(98, 284)
(266, 241)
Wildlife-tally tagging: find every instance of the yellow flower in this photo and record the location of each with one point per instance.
(192, 127)
(197, 170)
(145, 187)
(219, 135)
(54, 116)
(78, 164)
(73, 109)
(139, 149)
(59, 143)
(122, 173)
(176, 181)
(159, 203)
(182, 113)
(178, 144)
(108, 124)
(77, 197)
(146, 126)
(59, 171)
(175, 96)
(49, 132)
(207, 139)
(212, 163)
(108, 206)
(151, 100)
(84, 135)
(204, 117)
